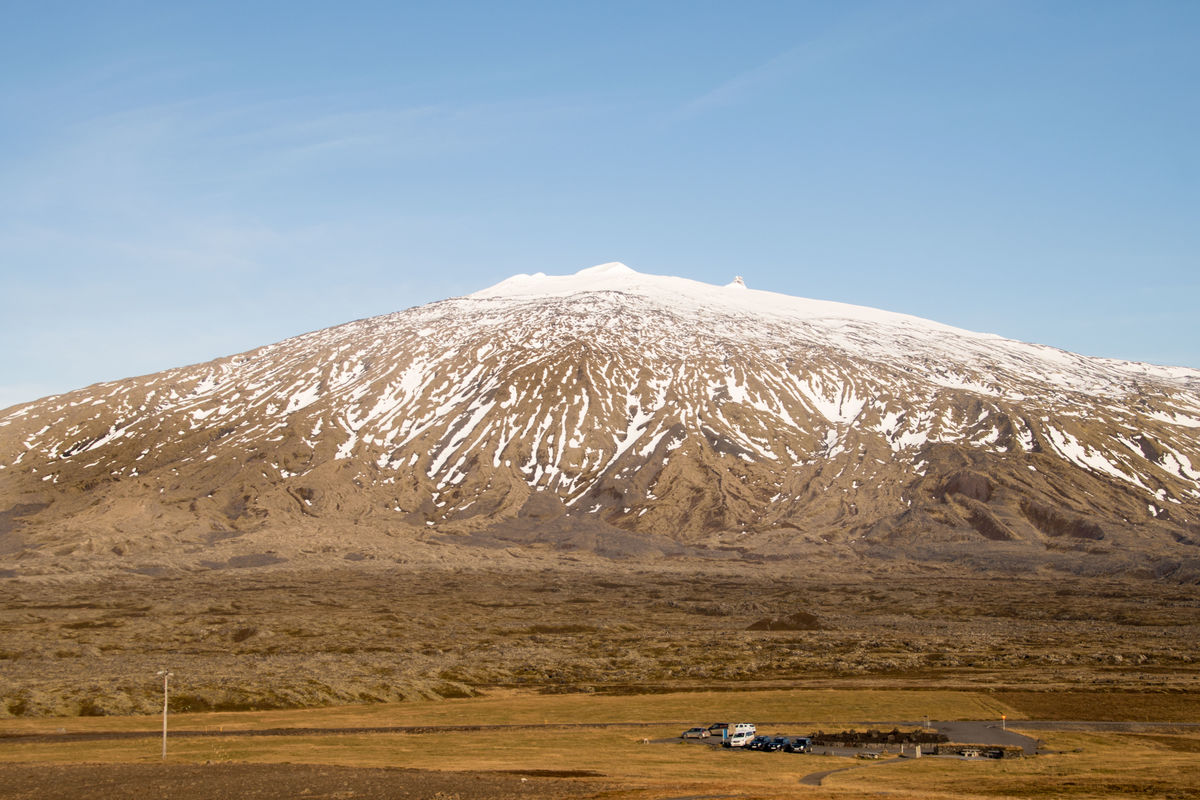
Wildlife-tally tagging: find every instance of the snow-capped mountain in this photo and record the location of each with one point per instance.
(611, 405)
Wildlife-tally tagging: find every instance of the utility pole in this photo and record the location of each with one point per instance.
(166, 676)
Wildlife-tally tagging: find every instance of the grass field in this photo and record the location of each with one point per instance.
(1092, 765)
(816, 707)
(809, 707)
(1162, 764)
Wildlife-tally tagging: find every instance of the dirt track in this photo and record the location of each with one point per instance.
(278, 781)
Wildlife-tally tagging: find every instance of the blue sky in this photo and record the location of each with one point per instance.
(186, 181)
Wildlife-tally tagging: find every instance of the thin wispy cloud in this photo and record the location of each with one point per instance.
(756, 79)
(860, 31)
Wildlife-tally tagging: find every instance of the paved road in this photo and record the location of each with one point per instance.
(815, 778)
(989, 733)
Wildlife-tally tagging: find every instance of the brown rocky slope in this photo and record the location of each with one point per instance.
(626, 415)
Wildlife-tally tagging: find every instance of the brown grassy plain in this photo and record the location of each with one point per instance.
(294, 639)
(556, 654)
(614, 761)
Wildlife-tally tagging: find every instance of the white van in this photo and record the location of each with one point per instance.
(740, 734)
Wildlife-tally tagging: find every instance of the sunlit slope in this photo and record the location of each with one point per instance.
(612, 402)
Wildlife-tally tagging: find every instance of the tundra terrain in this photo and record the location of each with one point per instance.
(365, 632)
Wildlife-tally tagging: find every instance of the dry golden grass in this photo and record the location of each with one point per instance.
(1106, 705)
(811, 707)
(1085, 765)
(1080, 765)
(619, 755)
(1091, 765)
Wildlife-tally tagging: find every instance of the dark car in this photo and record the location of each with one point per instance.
(776, 744)
(759, 743)
(800, 744)
(718, 729)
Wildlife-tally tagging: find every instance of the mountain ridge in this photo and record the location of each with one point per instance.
(564, 412)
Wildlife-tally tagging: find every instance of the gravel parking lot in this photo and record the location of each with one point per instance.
(988, 733)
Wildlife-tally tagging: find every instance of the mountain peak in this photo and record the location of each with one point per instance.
(603, 277)
(697, 297)
(610, 268)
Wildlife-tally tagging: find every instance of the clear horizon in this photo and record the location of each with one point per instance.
(185, 183)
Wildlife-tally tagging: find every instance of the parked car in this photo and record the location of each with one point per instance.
(694, 733)
(718, 729)
(800, 744)
(739, 739)
(776, 744)
(759, 743)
